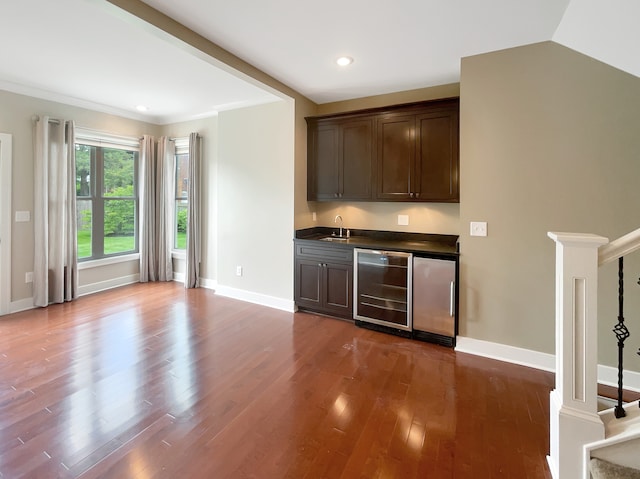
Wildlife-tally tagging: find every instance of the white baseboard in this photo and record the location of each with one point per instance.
(21, 305)
(609, 375)
(257, 298)
(179, 277)
(111, 283)
(503, 352)
(547, 362)
(208, 283)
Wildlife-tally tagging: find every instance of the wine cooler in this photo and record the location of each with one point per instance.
(382, 289)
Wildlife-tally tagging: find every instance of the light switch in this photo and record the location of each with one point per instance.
(478, 228)
(403, 220)
(23, 216)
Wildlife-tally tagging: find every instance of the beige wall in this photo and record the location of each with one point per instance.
(16, 118)
(255, 188)
(549, 142)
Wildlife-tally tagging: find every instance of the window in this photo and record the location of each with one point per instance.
(107, 202)
(181, 199)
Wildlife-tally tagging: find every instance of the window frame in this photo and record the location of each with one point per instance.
(100, 142)
(181, 148)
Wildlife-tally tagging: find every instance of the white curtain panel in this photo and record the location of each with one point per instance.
(192, 273)
(55, 270)
(147, 214)
(165, 189)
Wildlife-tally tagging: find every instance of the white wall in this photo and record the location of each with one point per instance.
(255, 189)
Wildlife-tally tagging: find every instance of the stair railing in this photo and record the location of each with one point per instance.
(574, 418)
(618, 249)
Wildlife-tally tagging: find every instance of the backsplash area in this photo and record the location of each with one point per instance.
(438, 218)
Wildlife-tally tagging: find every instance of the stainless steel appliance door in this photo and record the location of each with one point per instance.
(382, 288)
(434, 296)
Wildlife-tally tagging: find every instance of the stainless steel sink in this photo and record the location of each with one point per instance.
(334, 238)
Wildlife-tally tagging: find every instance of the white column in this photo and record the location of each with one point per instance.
(574, 417)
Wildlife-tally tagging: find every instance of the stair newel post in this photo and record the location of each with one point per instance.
(574, 419)
(622, 333)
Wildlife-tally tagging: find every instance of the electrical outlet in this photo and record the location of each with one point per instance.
(478, 228)
(314, 216)
(238, 270)
(28, 277)
(403, 220)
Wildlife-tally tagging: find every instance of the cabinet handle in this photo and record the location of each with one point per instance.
(417, 195)
(411, 195)
(452, 292)
(335, 195)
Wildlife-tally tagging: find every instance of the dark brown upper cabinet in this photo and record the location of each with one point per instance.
(340, 159)
(397, 153)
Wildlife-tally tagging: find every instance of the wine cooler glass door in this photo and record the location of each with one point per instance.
(383, 288)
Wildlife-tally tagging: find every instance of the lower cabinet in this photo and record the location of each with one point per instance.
(324, 280)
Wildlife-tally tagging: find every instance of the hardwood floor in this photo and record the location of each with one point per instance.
(152, 381)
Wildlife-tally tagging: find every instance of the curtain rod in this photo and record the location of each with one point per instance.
(51, 120)
(179, 138)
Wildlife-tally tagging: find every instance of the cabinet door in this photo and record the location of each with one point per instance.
(436, 176)
(323, 162)
(396, 154)
(356, 159)
(339, 288)
(308, 279)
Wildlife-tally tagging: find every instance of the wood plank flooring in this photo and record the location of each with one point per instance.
(154, 381)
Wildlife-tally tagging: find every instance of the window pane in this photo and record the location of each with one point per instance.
(83, 170)
(118, 172)
(119, 226)
(83, 218)
(180, 241)
(182, 175)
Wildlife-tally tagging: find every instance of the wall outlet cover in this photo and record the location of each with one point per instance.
(403, 220)
(238, 270)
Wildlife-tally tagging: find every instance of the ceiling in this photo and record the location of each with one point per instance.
(115, 61)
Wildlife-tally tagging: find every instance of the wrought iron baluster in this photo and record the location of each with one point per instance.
(622, 333)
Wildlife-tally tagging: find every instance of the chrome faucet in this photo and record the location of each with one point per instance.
(335, 220)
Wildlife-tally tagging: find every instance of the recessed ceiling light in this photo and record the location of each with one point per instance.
(141, 108)
(344, 61)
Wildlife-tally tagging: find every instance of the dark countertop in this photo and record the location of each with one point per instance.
(417, 243)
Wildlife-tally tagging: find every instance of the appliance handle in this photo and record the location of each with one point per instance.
(452, 292)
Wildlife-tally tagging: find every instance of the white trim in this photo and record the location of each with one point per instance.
(179, 277)
(109, 284)
(96, 263)
(5, 222)
(21, 305)
(208, 283)
(87, 136)
(609, 375)
(179, 254)
(256, 298)
(619, 247)
(504, 352)
(182, 145)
